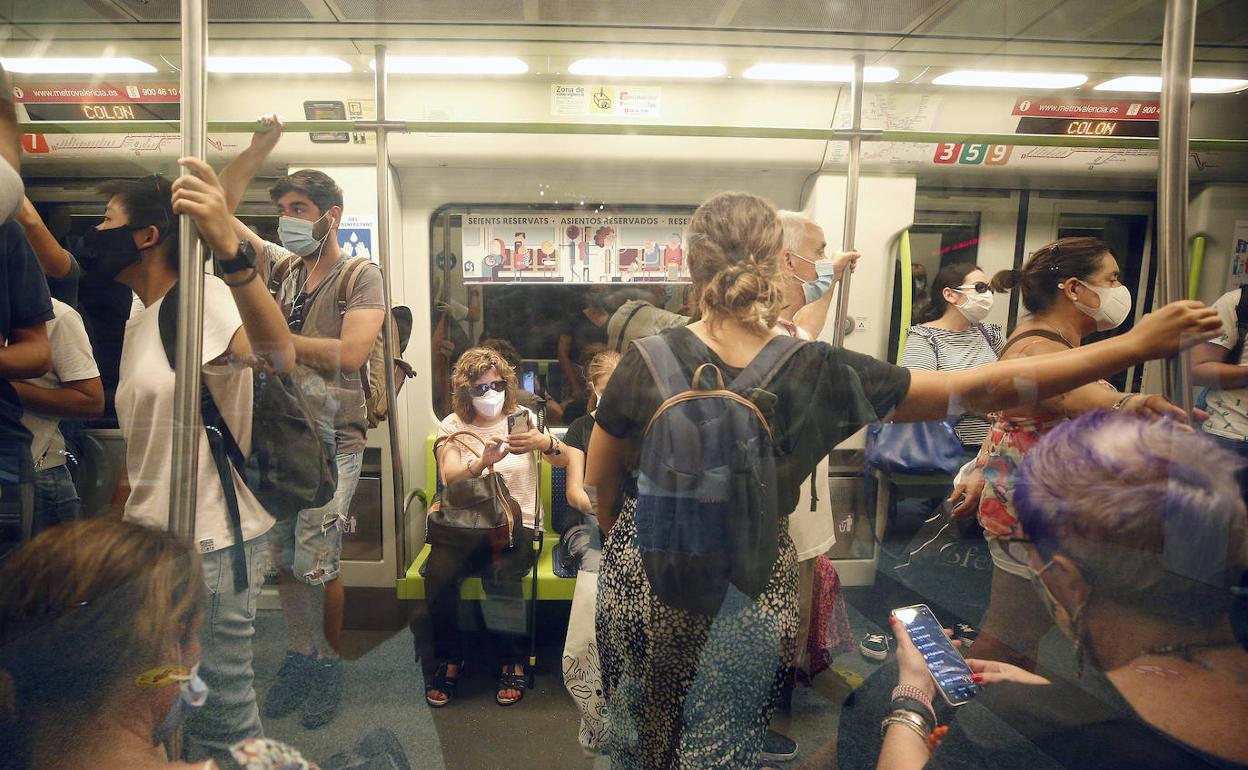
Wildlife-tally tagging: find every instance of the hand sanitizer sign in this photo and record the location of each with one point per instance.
(355, 236)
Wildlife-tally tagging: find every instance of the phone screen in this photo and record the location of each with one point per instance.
(529, 381)
(944, 662)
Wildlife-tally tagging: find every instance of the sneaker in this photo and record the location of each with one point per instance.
(778, 748)
(324, 694)
(875, 646)
(966, 633)
(291, 688)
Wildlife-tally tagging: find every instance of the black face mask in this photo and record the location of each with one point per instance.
(108, 252)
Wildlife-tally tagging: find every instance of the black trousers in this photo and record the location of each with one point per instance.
(502, 577)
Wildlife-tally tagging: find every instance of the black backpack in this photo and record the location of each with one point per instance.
(290, 468)
(707, 512)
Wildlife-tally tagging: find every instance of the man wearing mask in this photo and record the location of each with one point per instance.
(331, 346)
(808, 278)
(24, 348)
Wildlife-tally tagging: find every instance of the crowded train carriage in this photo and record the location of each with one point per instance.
(731, 384)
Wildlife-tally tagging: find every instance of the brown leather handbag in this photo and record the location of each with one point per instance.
(474, 512)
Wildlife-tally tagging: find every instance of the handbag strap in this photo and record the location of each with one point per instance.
(458, 438)
(931, 340)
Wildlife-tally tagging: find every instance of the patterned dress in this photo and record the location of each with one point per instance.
(1008, 442)
(688, 690)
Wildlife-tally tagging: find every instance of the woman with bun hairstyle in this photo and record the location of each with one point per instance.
(1072, 289)
(686, 689)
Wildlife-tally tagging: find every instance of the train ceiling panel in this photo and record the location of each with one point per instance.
(643, 13)
(52, 11)
(1134, 21)
(502, 11)
(894, 16)
(222, 10)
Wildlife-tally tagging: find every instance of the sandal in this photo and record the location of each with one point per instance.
(509, 680)
(447, 685)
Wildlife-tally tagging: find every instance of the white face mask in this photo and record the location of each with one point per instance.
(457, 310)
(1114, 309)
(489, 405)
(977, 306)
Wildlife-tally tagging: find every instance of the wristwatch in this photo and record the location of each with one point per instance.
(244, 259)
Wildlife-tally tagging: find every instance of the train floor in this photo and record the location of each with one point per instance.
(384, 686)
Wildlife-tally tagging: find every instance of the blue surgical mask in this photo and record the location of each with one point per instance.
(825, 275)
(296, 235)
(192, 693)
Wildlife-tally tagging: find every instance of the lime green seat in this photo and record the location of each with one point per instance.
(550, 587)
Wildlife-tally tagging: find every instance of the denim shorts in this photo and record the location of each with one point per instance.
(309, 545)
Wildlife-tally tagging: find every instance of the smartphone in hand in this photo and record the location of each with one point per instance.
(944, 662)
(518, 422)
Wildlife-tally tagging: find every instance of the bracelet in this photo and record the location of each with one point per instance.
(1122, 401)
(914, 706)
(910, 691)
(554, 447)
(910, 724)
(254, 275)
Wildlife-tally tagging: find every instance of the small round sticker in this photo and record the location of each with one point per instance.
(445, 260)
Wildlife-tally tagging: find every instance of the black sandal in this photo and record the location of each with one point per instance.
(510, 680)
(447, 685)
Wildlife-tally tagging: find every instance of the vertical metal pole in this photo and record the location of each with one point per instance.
(1176, 96)
(390, 344)
(851, 197)
(187, 421)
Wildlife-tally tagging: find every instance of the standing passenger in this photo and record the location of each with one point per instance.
(692, 690)
(71, 389)
(332, 344)
(809, 279)
(1222, 365)
(137, 245)
(1072, 288)
(24, 350)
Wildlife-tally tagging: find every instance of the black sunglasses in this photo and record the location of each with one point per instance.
(498, 386)
(979, 286)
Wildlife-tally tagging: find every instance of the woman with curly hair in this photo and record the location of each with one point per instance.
(483, 395)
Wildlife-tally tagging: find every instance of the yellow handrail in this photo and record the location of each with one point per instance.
(1197, 266)
(907, 292)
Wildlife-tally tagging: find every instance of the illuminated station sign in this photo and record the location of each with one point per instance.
(98, 101)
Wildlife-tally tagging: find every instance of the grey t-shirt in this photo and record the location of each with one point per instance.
(340, 393)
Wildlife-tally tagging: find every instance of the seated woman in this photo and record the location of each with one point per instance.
(1138, 534)
(483, 396)
(99, 652)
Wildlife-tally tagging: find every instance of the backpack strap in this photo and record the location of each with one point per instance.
(766, 364)
(281, 269)
(221, 443)
(346, 282)
(663, 366)
(1034, 333)
(618, 347)
(1241, 327)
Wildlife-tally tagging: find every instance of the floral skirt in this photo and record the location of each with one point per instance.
(685, 690)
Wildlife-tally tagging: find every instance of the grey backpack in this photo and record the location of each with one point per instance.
(707, 513)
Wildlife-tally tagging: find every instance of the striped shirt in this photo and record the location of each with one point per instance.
(942, 350)
(517, 471)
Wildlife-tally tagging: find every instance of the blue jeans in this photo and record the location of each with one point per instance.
(56, 499)
(231, 714)
(309, 545)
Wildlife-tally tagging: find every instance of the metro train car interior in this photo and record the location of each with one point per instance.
(521, 186)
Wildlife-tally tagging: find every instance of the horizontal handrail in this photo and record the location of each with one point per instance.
(627, 129)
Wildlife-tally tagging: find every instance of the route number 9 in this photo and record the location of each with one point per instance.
(999, 154)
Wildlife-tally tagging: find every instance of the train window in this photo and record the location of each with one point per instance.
(546, 284)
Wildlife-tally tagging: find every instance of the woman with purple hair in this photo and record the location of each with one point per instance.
(1138, 538)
